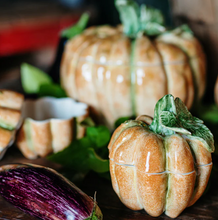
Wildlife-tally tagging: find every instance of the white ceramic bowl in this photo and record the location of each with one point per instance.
(50, 125)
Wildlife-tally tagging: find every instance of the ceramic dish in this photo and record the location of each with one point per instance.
(50, 125)
(10, 118)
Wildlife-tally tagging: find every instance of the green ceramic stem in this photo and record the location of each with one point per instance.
(166, 104)
(171, 116)
(137, 19)
(132, 77)
(129, 16)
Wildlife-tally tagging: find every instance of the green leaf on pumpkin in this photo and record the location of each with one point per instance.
(172, 116)
(194, 125)
(151, 20)
(137, 20)
(129, 15)
(169, 121)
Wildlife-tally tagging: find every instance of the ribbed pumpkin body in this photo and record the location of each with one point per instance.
(120, 77)
(156, 173)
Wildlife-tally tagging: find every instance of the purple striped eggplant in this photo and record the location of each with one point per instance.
(44, 193)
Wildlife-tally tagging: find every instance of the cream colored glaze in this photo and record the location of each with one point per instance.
(203, 164)
(5, 138)
(81, 130)
(97, 69)
(157, 174)
(149, 76)
(179, 74)
(180, 187)
(50, 129)
(11, 99)
(10, 117)
(191, 46)
(23, 145)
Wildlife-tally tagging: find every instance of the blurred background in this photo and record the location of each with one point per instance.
(30, 29)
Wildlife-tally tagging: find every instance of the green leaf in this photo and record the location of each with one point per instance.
(53, 90)
(149, 14)
(87, 122)
(96, 163)
(77, 28)
(194, 125)
(152, 28)
(81, 156)
(32, 78)
(84, 154)
(173, 116)
(164, 104)
(137, 20)
(169, 120)
(151, 21)
(100, 135)
(129, 16)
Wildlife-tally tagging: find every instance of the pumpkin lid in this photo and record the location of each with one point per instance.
(172, 116)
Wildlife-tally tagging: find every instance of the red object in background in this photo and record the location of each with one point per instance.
(30, 35)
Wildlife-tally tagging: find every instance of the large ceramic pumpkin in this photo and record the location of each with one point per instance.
(122, 72)
(161, 164)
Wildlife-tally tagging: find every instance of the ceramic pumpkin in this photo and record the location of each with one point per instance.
(161, 164)
(121, 71)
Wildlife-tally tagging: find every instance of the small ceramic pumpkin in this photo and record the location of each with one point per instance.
(123, 72)
(161, 164)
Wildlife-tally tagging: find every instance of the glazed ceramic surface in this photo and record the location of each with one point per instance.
(121, 77)
(157, 172)
(10, 118)
(50, 125)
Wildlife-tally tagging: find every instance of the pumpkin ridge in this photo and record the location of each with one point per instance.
(71, 63)
(103, 83)
(180, 187)
(127, 172)
(78, 76)
(119, 83)
(123, 127)
(203, 166)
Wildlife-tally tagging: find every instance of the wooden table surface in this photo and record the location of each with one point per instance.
(112, 208)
